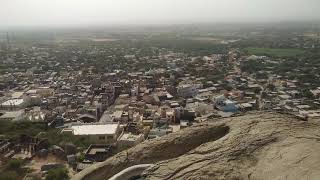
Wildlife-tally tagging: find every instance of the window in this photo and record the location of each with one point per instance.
(109, 137)
(102, 138)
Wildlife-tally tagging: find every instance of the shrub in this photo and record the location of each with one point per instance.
(14, 164)
(9, 175)
(57, 174)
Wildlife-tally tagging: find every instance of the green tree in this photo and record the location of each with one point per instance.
(271, 87)
(306, 93)
(14, 164)
(81, 157)
(12, 170)
(57, 174)
(9, 175)
(257, 90)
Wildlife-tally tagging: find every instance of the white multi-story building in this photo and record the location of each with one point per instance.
(99, 132)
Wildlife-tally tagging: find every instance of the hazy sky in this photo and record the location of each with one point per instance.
(104, 12)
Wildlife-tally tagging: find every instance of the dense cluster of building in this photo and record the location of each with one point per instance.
(119, 109)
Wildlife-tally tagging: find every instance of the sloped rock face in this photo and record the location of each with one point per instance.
(265, 146)
(255, 146)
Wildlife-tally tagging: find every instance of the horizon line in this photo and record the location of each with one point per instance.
(151, 24)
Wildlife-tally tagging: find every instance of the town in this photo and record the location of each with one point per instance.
(72, 102)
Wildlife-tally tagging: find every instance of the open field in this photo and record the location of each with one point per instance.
(274, 52)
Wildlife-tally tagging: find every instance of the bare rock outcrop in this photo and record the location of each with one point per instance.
(254, 146)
